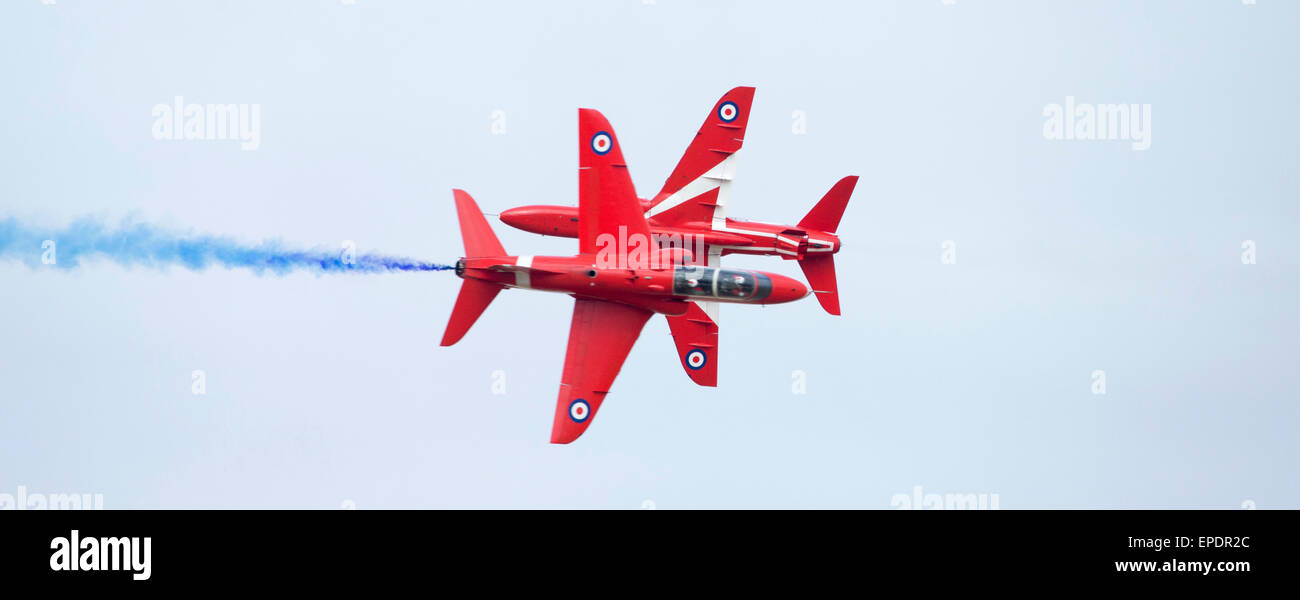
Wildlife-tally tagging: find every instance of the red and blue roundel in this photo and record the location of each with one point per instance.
(696, 359)
(579, 410)
(602, 143)
(728, 112)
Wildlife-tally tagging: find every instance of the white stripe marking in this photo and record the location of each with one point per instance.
(719, 176)
(744, 231)
(522, 278)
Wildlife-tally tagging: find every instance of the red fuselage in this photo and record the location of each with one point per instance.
(732, 237)
(663, 290)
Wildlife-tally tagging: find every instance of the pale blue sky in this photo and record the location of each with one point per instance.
(967, 378)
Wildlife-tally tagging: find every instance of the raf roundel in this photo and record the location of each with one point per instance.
(579, 410)
(601, 143)
(696, 359)
(728, 112)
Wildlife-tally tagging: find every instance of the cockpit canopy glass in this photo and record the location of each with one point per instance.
(729, 284)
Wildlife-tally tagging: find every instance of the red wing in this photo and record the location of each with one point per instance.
(607, 200)
(600, 337)
(696, 336)
(698, 188)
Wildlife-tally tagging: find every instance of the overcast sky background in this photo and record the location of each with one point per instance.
(975, 377)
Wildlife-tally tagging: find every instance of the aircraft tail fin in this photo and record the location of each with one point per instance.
(820, 271)
(474, 229)
(825, 216)
(475, 295)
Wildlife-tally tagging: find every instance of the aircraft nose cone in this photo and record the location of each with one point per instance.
(513, 217)
(786, 289)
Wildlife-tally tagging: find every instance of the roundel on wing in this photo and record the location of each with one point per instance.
(579, 410)
(696, 359)
(602, 143)
(728, 112)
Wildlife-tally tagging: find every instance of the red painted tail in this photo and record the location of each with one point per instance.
(474, 229)
(475, 295)
(474, 298)
(820, 271)
(826, 215)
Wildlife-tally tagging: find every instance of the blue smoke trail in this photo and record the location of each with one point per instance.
(133, 244)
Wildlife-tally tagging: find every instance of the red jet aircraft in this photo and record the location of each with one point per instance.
(691, 211)
(612, 300)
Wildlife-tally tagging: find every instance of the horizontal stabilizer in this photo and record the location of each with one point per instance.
(475, 296)
(820, 271)
(474, 229)
(825, 216)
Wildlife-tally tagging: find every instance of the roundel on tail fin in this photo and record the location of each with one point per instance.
(728, 111)
(602, 143)
(579, 410)
(696, 359)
